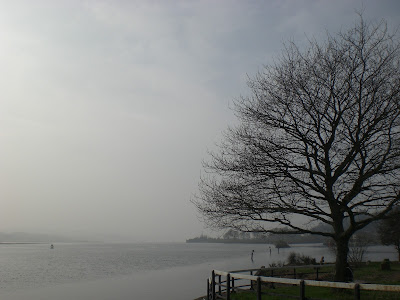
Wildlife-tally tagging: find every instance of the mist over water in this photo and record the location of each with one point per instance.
(134, 271)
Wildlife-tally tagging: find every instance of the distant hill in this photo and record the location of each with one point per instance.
(23, 237)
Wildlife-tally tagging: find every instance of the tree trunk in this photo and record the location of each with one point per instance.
(341, 265)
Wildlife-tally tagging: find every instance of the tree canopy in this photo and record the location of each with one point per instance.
(317, 142)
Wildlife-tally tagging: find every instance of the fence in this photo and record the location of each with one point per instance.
(228, 285)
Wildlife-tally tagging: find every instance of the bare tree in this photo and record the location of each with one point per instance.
(358, 246)
(389, 230)
(317, 142)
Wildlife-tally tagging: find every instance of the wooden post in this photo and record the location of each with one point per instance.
(219, 285)
(294, 273)
(208, 289)
(317, 273)
(233, 284)
(272, 286)
(228, 286)
(251, 281)
(302, 290)
(357, 294)
(213, 285)
(258, 288)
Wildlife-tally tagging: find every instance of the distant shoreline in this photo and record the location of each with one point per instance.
(227, 241)
(16, 243)
(246, 241)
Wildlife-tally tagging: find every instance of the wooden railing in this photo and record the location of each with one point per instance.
(230, 284)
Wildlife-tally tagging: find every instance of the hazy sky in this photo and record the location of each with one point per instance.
(107, 108)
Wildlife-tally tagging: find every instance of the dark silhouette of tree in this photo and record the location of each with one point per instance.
(317, 142)
(389, 230)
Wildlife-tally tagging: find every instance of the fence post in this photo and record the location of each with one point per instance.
(272, 286)
(208, 289)
(219, 284)
(233, 284)
(213, 285)
(294, 273)
(228, 286)
(317, 273)
(251, 281)
(258, 288)
(357, 294)
(302, 290)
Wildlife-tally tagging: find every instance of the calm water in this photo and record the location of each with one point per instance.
(90, 271)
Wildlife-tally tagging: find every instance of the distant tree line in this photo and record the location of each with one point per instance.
(235, 236)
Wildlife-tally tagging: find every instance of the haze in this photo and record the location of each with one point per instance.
(107, 108)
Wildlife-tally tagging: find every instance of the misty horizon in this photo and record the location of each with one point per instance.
(109, 108)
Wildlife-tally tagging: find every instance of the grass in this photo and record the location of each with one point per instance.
(370, 273)
(280, 293)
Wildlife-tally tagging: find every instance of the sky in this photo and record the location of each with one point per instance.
(108, 108)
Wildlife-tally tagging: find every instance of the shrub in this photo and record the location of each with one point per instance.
(278, 264)
(300, 259)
